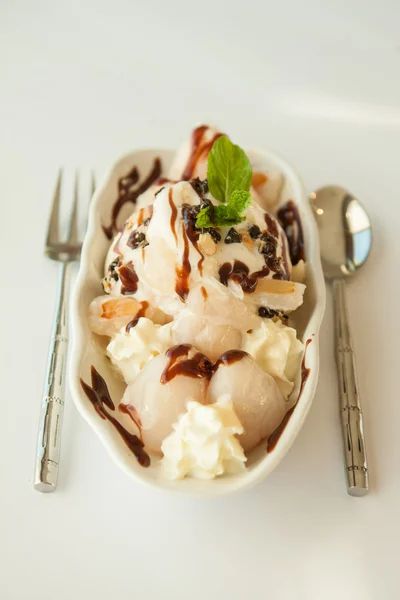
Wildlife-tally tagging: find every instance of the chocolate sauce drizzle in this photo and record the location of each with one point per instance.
(285, 260)
(270, 238)
(100, 398)
(128, 409)
(127, 194)
(129, 278)
(140, 313)
(199, 149)
(275, 435)
(271, 225)
(189, 232)
(183, 272)
(290, 221)
(197, 367)
(174, 214)
(230, 357)
(192, 232)
(239, 273)
(162, 181)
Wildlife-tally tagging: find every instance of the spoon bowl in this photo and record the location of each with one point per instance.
(345, 231)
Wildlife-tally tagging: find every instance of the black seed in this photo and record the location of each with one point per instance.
(113, 265)
(254, 232)
(233, 237)
(266, 237)
(146, 222)
(199, 186)
(216, 236)
(267, 313)
(269, 244)
(195, 211)
(136, 239)
(112, 269)
(115, 262)
(268, 250)
(190, 212)
(273, 262)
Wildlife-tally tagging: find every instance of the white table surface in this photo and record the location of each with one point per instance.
(82, 82)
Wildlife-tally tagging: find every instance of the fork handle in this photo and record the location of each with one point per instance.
(351, 416)
(52, 408)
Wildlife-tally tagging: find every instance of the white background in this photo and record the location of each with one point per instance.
(82, 82)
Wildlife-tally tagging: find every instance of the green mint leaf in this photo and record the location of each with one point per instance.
(229, 169)
(203, 219)
(225, 214)
(230, 214)
(239, 201)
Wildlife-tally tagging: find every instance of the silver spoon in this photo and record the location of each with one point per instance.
(346, 240)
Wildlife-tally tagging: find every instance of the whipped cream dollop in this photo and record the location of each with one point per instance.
(131, 350)
(277, 351)
(203, 443)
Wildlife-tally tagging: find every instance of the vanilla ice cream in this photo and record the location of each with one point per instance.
(161, 254)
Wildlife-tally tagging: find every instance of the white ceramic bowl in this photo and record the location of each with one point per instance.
(86, 351)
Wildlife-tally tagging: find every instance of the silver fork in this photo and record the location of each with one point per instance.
(52, 408)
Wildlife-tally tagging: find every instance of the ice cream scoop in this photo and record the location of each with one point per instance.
(161, 254)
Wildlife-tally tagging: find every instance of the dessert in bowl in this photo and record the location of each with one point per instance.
(196, 314)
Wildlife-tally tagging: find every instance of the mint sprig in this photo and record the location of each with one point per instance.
(225, 214)
(229, 175)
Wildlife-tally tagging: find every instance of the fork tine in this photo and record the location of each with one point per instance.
(73, 222)
(52, 231)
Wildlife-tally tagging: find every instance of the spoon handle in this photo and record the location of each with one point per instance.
(350, 407)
